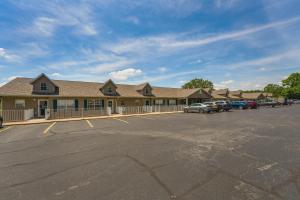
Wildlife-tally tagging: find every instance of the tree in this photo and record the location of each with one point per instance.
(198, 83)
(275, 89)
(292, 86)
(292, 81)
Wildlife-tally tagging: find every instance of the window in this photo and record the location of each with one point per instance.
(159, 102)
(66, 104)
(95, 104)
(172, 102)
(20, 103)
(109, 90)
(44, 87)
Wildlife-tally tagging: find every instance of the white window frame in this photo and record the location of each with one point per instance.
(21, 102)
(65, 104)
(94, 104)
(172, 102)
(159, 102)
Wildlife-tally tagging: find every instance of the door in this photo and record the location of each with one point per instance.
(43, 105)
(111, 105)
(147, 103)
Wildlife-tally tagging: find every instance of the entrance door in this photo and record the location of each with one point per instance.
(43, 105)
(111, 105)
(147, 103)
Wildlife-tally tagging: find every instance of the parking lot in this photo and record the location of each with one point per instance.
(243, 154)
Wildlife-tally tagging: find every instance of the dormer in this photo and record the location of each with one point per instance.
(109, 88)
(145, 89)
(44, 85)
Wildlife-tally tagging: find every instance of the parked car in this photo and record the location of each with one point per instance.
(214, 106)
(252, 104)
(225, 105)
(239, 104)
(1, 122)
(197, 107)
(296, 101)
(269, 102)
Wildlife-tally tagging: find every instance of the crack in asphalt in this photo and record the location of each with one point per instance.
(58, 172)
(153, 175)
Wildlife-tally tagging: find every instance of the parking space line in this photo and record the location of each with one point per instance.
(121, 120)
(90, 124)
(5, 129)
(49, 127)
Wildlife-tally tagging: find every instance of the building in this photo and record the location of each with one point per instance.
(220, 94)
(42, 93)
(254, 96)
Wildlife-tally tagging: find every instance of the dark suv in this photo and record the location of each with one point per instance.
(225, 105)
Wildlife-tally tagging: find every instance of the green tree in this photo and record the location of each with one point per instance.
(275, 89)
(292, 81)
(198, 83)
(292, 86)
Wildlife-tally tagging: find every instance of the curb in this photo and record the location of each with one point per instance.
(85, 118)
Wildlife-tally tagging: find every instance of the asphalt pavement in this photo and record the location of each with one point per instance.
(238, 155)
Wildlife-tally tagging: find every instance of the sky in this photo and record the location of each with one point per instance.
(236, 44)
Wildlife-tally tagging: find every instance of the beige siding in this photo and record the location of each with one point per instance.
(37, 85)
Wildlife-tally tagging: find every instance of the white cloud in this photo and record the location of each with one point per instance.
(133, 19)
(12, 78)
(76, 16)
(56, 74)
(7, 56)
(263, 69)
(230, 36)
(125, 74)
(162, 69)
(227, 82)
(108, 67)
(44, 26)
(225, 3)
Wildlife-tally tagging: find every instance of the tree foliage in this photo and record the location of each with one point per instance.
(275, 89)
(198, 83)
(290, 87)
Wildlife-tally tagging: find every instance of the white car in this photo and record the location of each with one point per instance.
(197, 107)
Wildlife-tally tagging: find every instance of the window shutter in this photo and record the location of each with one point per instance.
(102, 104)
(76, 104)
(85, 104)
(54, 105)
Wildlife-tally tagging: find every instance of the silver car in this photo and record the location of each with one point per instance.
(197, 107)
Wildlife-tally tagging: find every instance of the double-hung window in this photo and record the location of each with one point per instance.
(95, 104)
(44, 87)
(20, 103)
(66, 104)
(159, 102)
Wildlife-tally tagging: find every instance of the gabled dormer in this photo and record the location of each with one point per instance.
(44, 85)
(109, 88)
(145, 89)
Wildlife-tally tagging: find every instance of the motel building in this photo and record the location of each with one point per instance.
(42, 97)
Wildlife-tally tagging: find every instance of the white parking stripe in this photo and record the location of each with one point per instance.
(90, 124)
(48, 129)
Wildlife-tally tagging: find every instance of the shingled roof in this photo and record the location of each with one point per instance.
(23, 87)
(253, 95)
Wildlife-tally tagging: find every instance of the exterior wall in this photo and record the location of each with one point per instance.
(130, 102)
(37, 85)
(8, 103)
(105, 89)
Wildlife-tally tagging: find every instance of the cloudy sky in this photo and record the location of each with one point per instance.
(237, 44)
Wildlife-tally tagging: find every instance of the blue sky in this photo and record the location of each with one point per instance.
(237, 44)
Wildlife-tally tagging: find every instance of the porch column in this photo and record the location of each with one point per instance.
(187, 101)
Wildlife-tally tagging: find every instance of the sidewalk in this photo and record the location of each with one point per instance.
(42, 121)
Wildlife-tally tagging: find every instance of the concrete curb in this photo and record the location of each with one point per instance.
(43, 121)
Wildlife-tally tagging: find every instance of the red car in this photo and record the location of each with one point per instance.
(252, 104)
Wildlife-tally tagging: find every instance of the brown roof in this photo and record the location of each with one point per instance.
(253, 95)
(23, 87)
